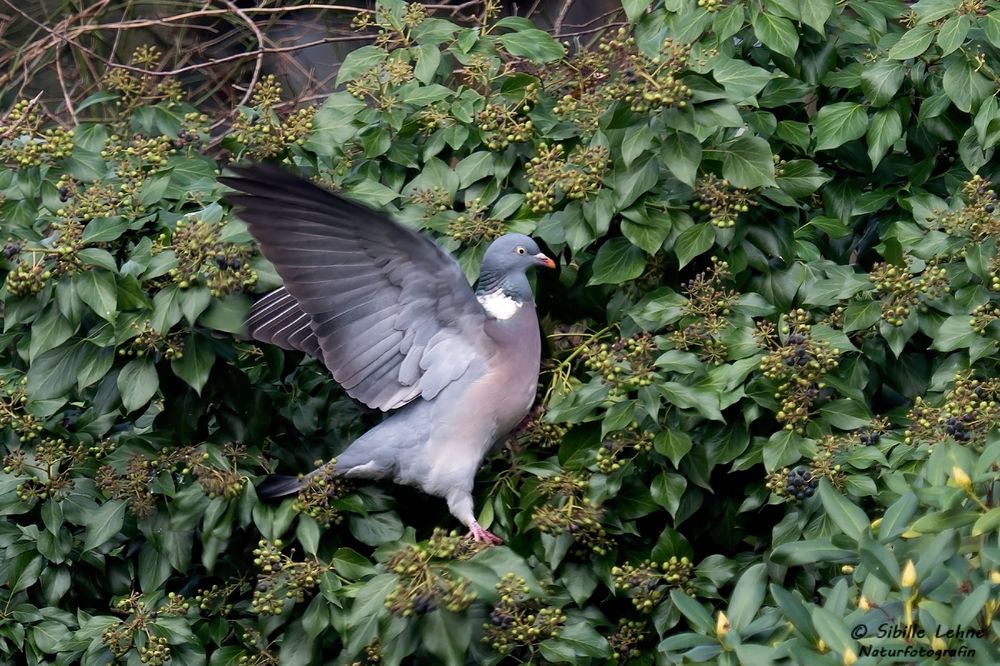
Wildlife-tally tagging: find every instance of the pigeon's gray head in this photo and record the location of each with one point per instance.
(505, 263)
(514, 253)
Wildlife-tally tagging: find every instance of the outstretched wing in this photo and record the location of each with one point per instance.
(387, 309)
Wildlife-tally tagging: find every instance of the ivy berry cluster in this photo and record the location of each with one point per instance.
(261, 130)
(625, 365)
(281, 577)
(798, 368)
(565, 510)
(709, 304)
(648, 582)
(970, 410)
(12, 412)
(502, 124)
(723, 202)
(621, 447)
(37, 265)
(902, 291)
(518, 623)
(474, 226)
(626, 642)
(202, 256)
(977, 220)
(552, 175)
(24, 144)
(422, 584)
(318, 495)
(149, 341)
(795, 484)
(536, 431)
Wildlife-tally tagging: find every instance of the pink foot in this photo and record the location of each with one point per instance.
(479, 535)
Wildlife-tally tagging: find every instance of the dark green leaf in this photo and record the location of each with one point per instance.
(851, 520)
(97, 289)
(777, 33)
(673, 444)
(836, 124)
(359, 61)
(747, 162)
(681, 153)
(533, 44)
(693, 241)
(883, 131)
(913, 42)
(104, 523)
(618, 261)
(137, 383)
(880, 82)
(195, 362)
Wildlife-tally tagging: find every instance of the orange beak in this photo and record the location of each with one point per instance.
(545, 261)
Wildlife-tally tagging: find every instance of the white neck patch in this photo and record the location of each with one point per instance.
(499, 305)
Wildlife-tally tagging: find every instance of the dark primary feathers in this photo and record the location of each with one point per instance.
(388, 311)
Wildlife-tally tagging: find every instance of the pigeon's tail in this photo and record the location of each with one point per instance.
(277, 485)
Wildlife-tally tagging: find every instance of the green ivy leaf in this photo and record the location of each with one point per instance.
(884, 130)
(913, 42)
(681, 153)
(634, 9)
(104, 523)
(533, 44)
(845, 414)
(741, 80)
(965, 85)
(97, 289)
(846, 515)
(576, 640)
(747, 596)
(800, 178)
(692, 242)
(635, 143)
(881, 81)
(747, 162)
(632, 182)
(667, 489)
(359, 61)
(52, 374)
(862, 315)
(137, 383)
(991, 26)
(618, 261)
(777, 33)
(836, 124)
(815, 13)
(673, 444)
(195, 362)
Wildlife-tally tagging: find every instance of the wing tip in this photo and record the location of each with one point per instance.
(278, 485)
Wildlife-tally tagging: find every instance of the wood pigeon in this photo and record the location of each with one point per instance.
(391, 314)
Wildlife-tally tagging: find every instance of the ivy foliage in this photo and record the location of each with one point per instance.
(769, 411)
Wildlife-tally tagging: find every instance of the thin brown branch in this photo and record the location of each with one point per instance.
(557, 26)
(62, 86)
(259, 36)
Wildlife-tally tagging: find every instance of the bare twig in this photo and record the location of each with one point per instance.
(62, 86)
(557, 26)
(259, 36)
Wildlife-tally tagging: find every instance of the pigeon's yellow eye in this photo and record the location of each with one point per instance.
(520, 250)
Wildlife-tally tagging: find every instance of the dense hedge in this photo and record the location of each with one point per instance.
(769, 414)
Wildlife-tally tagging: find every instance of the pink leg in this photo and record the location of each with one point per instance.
(478, 534)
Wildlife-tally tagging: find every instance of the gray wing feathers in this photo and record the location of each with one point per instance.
(277, 319)
(387, 310)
